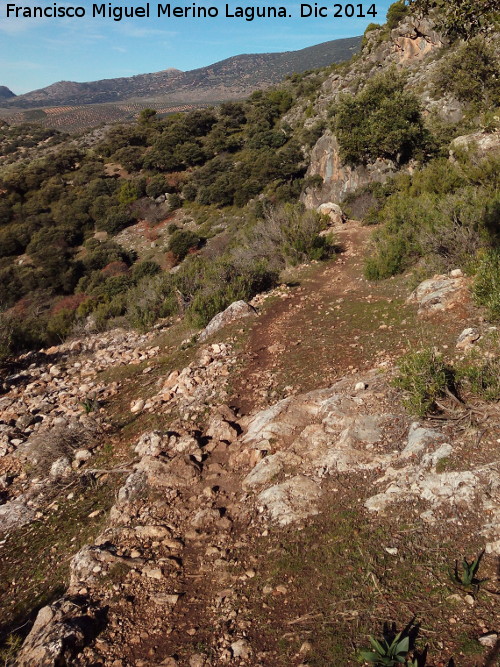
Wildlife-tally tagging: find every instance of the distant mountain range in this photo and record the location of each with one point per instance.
(232, 78)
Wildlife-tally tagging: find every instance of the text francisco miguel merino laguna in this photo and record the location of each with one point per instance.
(119, 12)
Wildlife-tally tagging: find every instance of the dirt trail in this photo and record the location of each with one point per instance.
(334, 323)
(224, 580)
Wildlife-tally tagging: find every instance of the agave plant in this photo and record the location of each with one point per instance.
(385, 654)
(469, 570)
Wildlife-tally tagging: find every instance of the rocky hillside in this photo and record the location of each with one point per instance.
(233, 78)
(250, 480)
(271, 435)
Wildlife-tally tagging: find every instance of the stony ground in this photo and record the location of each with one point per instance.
(258, 498)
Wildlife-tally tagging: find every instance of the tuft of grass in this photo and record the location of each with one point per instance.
(9, 649)
(480, 375)
(425, 377)
(487, 283)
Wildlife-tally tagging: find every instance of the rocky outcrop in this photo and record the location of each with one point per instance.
(235, 311)
(407, 46)
(52, 419)
(273, 467)
(482, 143)
(340, 179)
(415, 38)
(341, 430)
(60, 631)
(440, 293)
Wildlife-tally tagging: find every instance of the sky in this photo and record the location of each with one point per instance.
(35, 52)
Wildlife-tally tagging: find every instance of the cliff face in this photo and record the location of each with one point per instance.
(340, 179)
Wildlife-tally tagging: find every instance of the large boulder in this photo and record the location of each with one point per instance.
(334, 213)
(60, 631)
(482, 143)
(440, 293)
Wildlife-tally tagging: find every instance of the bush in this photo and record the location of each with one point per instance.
(425, 378)
(181, 243)
(461, 18)
(145, 269)
(222, 282)
(470, 73)
(156, 186)
(396, 14)
(480, 374)
(382, 121)
(115, 222)
(444, 213)
(289, 235)
(487, 283)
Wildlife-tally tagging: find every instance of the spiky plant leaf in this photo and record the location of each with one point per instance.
(403, 646)
(368, 656)
(381, 650)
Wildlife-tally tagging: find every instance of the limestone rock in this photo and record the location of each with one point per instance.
(339, 179)
(269, 468)
(333, 211)
(236, 311)
(439, 294)
(60, 631)
(14, 514)
(60, 468)
(241, 649)
(418, 439)
(467, 338)
(291, 501)
(482, 142)
(137, 406)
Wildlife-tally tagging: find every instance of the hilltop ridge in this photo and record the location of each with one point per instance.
(232, 78)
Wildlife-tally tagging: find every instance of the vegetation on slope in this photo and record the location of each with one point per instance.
(55, 273)
(239, 169)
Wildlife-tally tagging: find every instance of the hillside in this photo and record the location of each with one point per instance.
(249, 380)
(5, 93)
(233, 78)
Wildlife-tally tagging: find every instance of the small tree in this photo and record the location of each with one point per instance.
(461, 19)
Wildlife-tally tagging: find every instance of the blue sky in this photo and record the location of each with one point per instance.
(37, 52)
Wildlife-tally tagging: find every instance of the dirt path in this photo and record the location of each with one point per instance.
(335, 322)
(222, 580)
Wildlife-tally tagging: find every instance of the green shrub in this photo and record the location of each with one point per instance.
(425, 377)
(174, 202)
(144, 269)
(182, 241)
(223, 282)
(479, 374)
(461, 18)
(444, 214)
(470, 73)
(290, 235)
(156, 186)
(154, 297)
(487, 283)
(115, 221)
(127, 194)
(382, 121)
(396, 13)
